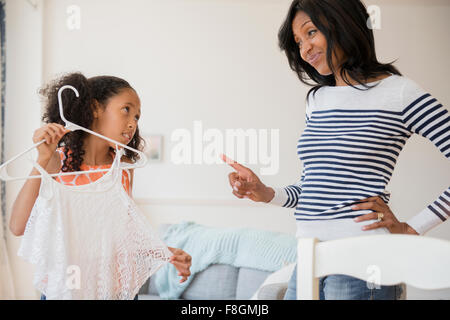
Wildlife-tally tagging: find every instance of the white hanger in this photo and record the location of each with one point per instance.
(73, 127)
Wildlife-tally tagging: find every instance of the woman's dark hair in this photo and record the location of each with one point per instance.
(344, 25)
(81, 112)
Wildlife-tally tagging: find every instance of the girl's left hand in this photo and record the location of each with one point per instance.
(182, 262)
(388, 220)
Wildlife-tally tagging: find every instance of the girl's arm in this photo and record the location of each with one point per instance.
(49, 159)
(27, 196)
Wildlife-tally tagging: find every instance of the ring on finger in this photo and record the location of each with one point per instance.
(380, 216)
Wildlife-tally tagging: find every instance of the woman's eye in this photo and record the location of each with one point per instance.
(126, 109)
(311, 32)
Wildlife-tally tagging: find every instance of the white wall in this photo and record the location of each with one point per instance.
(22, 113)
(216, 61)
(225, 70)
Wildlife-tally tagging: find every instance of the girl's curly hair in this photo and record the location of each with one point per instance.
(81, 112)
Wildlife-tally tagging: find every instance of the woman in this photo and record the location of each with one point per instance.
(359, 115)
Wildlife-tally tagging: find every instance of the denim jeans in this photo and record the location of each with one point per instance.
(342, 287)
(44, 298)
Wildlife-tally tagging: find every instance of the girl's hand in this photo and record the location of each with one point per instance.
(388, 221)
(246, 184)
(52, 133)
(182, 262)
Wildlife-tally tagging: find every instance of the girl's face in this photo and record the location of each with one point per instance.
(119, 119)
(313, 44)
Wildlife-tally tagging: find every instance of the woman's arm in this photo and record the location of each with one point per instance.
(387, 218)
(246, 184)
(288, 197)
(424, 115)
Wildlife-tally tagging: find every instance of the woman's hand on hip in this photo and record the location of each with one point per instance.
(384, 215)
(246, 184)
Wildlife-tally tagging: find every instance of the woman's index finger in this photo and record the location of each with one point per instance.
(232, 163)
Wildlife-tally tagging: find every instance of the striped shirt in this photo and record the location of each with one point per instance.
(349, 149)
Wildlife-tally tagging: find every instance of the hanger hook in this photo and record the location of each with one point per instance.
(61, 111)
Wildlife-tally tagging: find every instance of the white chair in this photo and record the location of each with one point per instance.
(422, 262)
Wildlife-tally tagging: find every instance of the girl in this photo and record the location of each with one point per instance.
(107, 105)
(359, 115)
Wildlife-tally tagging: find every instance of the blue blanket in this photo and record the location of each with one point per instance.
(239, 247)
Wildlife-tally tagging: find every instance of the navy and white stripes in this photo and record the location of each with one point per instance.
(427, 117)
(349, 153)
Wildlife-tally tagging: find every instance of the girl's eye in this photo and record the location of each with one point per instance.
(126, 108)
(137, 118)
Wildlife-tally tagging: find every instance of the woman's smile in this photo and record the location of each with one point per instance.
(313, 59)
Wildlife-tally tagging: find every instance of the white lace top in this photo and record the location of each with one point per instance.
(90, 241)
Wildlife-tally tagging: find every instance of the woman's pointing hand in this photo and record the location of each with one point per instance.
(246, 184)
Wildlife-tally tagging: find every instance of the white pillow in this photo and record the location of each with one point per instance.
(281, 276)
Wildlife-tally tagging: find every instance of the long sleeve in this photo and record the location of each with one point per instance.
(424, 115)
(288, 196)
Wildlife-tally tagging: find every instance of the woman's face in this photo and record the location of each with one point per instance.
(313, 44)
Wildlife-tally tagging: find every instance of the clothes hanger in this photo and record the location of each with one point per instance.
(73, 127)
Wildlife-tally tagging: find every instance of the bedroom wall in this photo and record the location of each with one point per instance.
(227, 71)
(24, 69)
